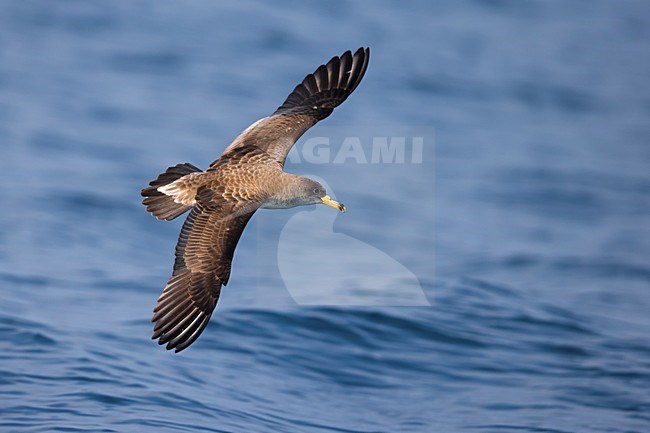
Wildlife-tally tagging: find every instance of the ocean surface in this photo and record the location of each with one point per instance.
(498, 281)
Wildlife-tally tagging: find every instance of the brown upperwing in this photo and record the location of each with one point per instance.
(311, 101)
(205, 250)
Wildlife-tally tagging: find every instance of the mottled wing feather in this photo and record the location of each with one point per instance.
(311, 101)
(204, 255)
(205, 250)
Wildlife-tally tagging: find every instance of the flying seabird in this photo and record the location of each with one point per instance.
(223, 198)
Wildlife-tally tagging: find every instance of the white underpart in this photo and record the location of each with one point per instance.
(179, 191)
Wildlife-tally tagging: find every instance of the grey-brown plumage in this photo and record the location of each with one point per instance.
(222, 199)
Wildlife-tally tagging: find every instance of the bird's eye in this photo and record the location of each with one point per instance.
(315, 190)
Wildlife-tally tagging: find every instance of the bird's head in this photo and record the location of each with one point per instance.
(311, 192)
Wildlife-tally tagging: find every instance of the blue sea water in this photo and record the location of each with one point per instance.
(527, 224)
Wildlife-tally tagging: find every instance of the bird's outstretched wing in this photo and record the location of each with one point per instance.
(203, 257)
(311, 101)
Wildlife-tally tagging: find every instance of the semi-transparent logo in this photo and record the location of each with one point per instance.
(314, 255)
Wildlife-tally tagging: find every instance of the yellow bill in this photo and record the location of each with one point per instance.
(327, 201)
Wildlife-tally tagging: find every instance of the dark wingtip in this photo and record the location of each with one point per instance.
(179, 317)
(330, 84)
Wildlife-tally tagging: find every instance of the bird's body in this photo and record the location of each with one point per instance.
(223, 198)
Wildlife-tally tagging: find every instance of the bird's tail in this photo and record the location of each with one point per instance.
(163, 206)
